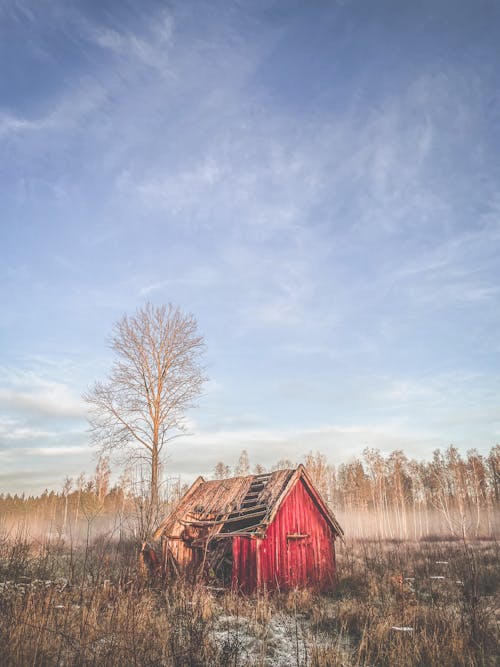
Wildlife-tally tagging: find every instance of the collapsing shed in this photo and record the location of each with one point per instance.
(268, 531)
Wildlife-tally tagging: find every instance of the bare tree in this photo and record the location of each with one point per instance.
(155, 378)
(101, 478)
(319, 469)
(68, 483)
(243, 467)
(221, 471)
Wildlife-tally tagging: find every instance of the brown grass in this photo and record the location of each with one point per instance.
(382, 586)
(92, 606)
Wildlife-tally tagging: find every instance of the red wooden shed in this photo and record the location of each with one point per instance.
(269, 531)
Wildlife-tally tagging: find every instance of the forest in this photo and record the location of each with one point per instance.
(373, 496)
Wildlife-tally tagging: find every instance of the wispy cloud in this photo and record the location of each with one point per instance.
(12, 432)
(62, 450)
(199, 277)
(149, 47)
(67, 112)
(28, 393)
(268, 446)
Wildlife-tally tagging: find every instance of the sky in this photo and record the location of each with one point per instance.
(317, 182)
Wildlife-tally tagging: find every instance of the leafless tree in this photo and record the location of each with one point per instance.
(101, 478)
(320, 471)
(68, 483)
(154, 379)
(243, 467)
(221, 471)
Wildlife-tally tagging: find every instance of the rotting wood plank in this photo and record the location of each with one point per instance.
(242, 512)
(242, 517)
(224, 521)
(240, 533)
(217, 496)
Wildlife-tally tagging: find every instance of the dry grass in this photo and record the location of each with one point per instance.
(444, 595)
(91, 606)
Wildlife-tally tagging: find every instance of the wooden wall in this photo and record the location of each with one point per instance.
(283, 560)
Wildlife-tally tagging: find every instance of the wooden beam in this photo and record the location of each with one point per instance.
(237, 533)
(243, 511)
(174, 516)
(234, 519)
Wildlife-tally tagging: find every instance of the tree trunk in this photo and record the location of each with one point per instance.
(153, 492)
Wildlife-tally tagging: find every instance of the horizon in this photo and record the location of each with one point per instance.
(317, 183)
(314, 462)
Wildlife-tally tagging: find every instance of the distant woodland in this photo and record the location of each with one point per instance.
(390, 497)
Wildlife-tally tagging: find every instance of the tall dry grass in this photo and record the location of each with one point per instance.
(412, 604)
(91, 605)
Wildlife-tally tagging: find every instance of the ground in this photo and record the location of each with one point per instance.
(396, 603)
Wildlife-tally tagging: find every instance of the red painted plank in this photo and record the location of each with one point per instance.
(304, 562)
(277, 562)
(244, 564)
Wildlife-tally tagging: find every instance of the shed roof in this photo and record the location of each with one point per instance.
(240, 505)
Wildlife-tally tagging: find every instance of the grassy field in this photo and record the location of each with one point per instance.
(396, 603)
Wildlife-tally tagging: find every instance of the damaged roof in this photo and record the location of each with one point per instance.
(239, 505)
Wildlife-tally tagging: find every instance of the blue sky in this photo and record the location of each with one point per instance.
(317, 182)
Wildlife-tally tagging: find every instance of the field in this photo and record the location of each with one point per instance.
(396, 603)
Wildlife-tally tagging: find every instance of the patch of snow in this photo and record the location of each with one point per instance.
(279, 643)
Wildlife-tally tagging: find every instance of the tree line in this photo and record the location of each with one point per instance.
(394, 496)
(372, 495)
(88, 501)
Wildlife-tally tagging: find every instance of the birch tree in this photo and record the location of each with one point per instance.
(243, 467)
(155, 377)
(221, 471)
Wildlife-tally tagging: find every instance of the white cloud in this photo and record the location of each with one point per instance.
(58, 450)
(198, 277)
(30, 394)
(150, 48)
(458, 270)
(19, 433)
(409, 390)
(199, 453)
(75, 104)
